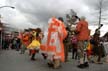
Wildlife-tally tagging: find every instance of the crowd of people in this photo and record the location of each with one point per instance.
(60, 40)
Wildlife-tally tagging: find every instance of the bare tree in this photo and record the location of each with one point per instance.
(71, 19)
(69, 16)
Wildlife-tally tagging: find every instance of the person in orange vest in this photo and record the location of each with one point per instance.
(83, 34)
(55, 46)
(25, 42)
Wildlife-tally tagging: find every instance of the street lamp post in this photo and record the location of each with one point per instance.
(0, 22)
(7, 6)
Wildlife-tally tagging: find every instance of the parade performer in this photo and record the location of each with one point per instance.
(34, 46)
(98, 48)
(83, 34)
(24, 41)
(55, 46)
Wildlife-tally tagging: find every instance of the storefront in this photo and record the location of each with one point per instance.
(1, 35)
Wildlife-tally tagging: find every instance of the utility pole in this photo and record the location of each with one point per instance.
(100, 11)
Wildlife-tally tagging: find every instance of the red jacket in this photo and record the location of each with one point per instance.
(83, 31)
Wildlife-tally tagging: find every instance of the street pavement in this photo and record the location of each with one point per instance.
(11, 60)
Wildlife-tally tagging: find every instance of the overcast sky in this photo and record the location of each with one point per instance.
(36, 13)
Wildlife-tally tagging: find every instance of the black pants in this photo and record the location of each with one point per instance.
(74, 51)
(33, 56)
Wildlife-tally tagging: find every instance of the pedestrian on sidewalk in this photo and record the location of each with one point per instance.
(18, 43)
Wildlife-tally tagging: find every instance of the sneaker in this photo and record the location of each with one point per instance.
(86, 64)
(81, 66)
(44, 56)
(50, 65)
(33, 59)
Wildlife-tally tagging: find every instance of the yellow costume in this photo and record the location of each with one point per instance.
(35, 44)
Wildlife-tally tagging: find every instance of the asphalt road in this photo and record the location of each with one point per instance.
(11, 60)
